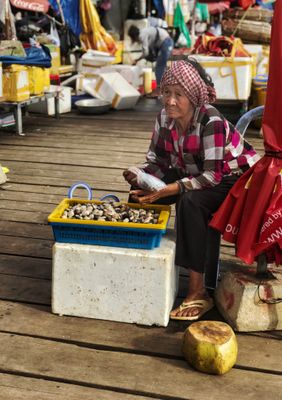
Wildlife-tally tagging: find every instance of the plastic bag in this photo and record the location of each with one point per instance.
(54, 34)
(146, 181)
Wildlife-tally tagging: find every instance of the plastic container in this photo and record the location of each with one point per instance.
(37, 80)
(48, 106)
(106, 233)
(15, 83)
(147, 80)
(232, 77)
(260, 86)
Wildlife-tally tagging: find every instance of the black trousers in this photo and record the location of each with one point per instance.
(194, 210)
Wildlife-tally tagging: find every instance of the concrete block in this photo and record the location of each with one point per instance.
(116, 284)
(238, 298)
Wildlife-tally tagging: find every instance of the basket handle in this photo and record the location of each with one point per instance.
(110, 196)
(80, 185)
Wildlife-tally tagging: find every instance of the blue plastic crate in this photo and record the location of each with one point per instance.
(115, 234)
(107, 236)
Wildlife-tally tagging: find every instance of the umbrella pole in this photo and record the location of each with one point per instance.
(262, 272)
(61, 12)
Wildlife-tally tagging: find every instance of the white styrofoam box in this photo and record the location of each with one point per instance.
(1, 81)
(48, 106)
(112, 87)
(96, 58)
(232, 77)
(132, 73)
(113, 283)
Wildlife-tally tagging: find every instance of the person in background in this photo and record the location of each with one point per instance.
(199, 155)
(157, 46)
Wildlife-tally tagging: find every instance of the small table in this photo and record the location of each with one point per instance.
(16, 107)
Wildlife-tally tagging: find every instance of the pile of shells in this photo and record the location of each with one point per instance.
(111, 211)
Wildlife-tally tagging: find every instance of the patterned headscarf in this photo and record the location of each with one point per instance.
(184, 74)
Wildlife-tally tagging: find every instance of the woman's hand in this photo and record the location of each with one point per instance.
(144, 196)
(130, 177)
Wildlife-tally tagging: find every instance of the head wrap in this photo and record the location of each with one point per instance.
(184, 74)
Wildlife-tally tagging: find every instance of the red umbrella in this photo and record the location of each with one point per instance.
(32, 5)
(251, 215)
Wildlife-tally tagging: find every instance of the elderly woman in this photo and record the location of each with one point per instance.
(199, 155)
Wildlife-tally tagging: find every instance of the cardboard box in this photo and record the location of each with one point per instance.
(232, 77)
(113, 87)
(48, 106)
(16, 83)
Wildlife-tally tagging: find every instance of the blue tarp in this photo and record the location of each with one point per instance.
(71, 13)
(35, 56)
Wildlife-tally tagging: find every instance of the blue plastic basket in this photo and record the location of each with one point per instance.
(104, 233)
(107, 236)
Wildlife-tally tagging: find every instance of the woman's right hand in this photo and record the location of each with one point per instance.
(130, 177)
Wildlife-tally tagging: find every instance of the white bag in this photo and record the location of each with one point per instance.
(54, 35)
(146, 181)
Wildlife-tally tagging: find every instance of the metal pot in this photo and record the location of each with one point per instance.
(93, 106)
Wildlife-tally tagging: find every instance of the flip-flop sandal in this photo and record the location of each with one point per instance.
(203, 305)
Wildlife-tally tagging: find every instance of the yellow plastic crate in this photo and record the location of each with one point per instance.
(36, 80)
(107, 233)
(15, 83)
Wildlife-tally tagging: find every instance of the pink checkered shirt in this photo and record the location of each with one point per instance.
(211, 149)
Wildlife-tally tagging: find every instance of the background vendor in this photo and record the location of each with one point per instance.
(157, 46)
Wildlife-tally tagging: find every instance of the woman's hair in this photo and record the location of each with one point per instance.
(201, 71)
(133, 33)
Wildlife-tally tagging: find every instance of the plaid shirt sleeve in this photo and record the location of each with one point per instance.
(157, 158)
(213, 141)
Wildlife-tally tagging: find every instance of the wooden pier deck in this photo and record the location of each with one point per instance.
(44, 356)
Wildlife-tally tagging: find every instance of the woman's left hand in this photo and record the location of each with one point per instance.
(144, 196)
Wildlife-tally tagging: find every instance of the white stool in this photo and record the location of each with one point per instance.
(117, 284)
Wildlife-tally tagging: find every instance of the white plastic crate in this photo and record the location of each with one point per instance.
(232, 77)
(48, 106)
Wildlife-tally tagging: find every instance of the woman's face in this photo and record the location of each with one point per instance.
(176, 103)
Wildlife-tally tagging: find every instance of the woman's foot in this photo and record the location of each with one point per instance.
(193, 307)
(197, 302)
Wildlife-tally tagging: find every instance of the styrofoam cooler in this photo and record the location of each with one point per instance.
(131, 73)
(111, 86)
(48, 106)
(232, 77)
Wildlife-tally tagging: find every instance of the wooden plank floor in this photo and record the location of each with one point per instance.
(44, 356)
